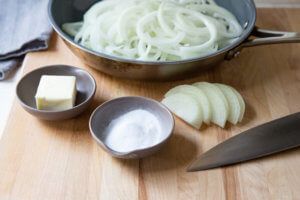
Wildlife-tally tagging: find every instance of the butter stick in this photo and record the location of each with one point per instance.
(56, 93)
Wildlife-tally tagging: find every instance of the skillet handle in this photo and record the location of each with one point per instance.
(264, 37)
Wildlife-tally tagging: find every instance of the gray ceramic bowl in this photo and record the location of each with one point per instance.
(104, 114)
(85, 85)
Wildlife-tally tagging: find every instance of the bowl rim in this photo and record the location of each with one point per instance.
(58, 111)
(246, 33)
(122, 154)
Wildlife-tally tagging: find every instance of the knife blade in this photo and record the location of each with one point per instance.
(272, 137)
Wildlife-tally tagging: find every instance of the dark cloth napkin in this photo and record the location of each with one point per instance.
(24, 27)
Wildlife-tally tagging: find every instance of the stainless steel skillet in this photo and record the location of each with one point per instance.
(62, 11)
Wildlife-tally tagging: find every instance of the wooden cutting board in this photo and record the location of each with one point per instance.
(60, 160)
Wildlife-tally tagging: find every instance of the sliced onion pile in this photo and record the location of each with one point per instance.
(155, 30)
(205, 102)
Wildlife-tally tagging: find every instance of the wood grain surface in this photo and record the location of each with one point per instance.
(60, 160)
(278, 3)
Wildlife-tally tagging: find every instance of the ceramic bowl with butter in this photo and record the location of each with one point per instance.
(31, 100)
(131, 127)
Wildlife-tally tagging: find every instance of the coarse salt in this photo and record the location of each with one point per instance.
(134, 130)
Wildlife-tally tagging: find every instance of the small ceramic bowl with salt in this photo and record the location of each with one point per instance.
(131, 127)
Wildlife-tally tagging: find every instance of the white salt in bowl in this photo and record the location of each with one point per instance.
(106, 120)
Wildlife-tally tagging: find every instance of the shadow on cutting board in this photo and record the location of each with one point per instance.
(176, 154)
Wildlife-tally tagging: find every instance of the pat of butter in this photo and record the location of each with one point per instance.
(56, 93)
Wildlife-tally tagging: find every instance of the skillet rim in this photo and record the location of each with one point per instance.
(246, 33)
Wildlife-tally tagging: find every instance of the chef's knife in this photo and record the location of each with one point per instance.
(272, 137)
